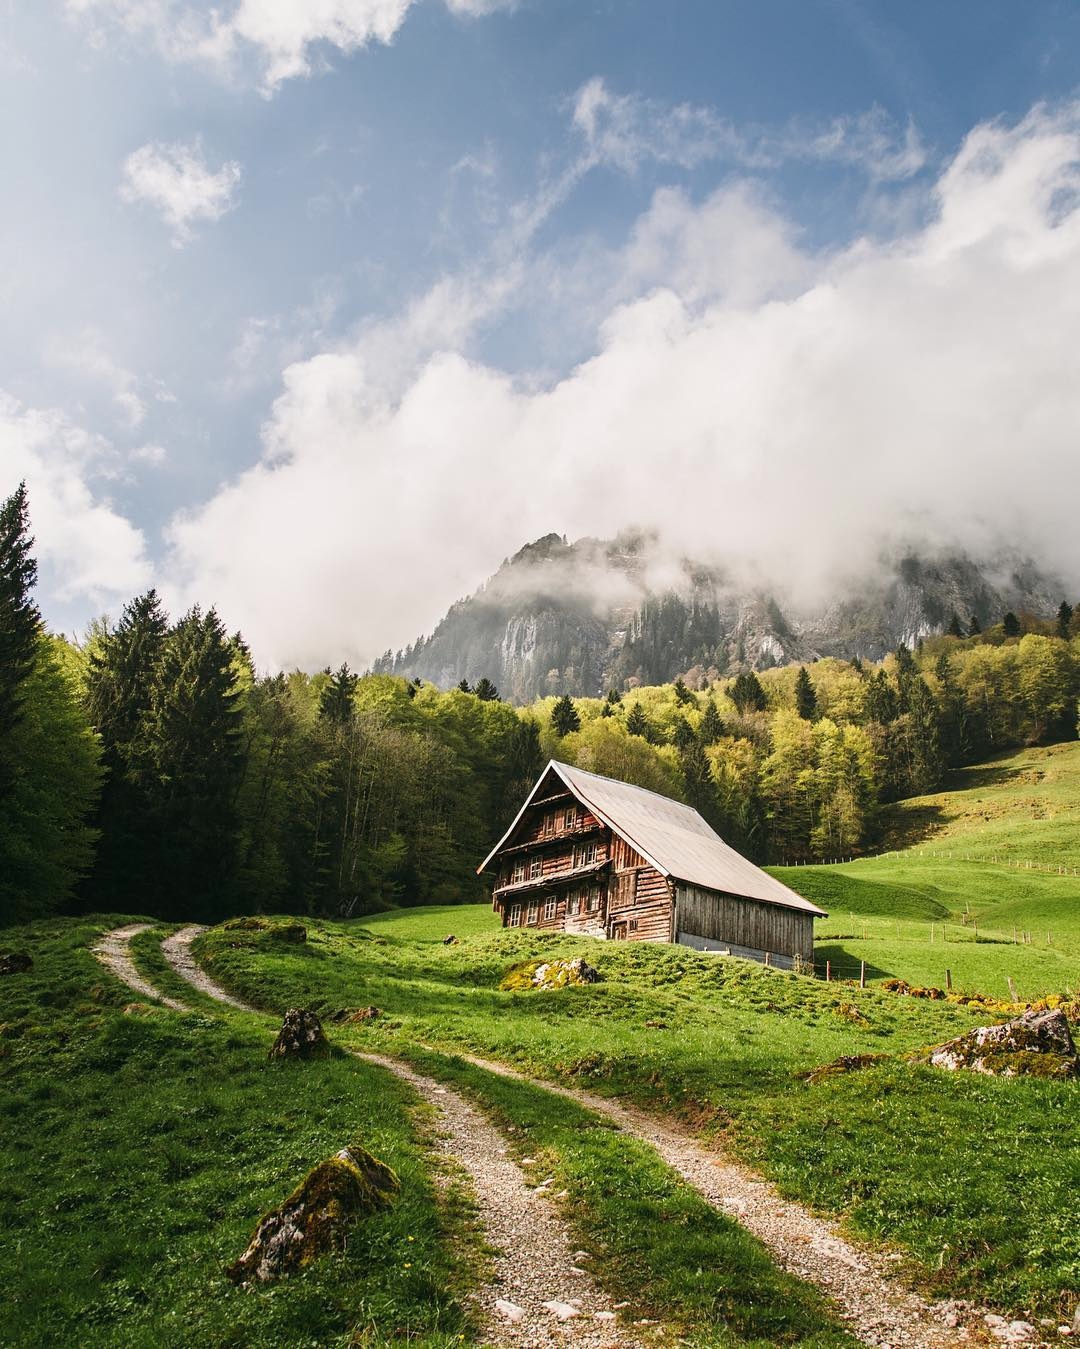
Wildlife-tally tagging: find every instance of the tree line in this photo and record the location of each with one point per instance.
(151, 769)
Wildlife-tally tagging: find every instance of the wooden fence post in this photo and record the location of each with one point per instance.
(828, 971)
(948, 980)
(1012, 990)
(862, 973)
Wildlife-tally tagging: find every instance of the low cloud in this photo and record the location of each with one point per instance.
(86, 548)
(755, 401)
(177, 182)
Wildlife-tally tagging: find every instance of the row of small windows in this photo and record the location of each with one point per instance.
(556, 820)
(580, 902)
(584, 856)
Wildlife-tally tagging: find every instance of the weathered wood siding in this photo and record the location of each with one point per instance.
(744, 922)
(640, 905)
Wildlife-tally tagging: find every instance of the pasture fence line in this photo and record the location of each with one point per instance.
(943, 855)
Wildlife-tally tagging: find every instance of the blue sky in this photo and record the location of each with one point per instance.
(316, 311)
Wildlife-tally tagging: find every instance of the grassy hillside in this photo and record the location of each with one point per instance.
(140, 1149)
(986, 886)
(909, 1154)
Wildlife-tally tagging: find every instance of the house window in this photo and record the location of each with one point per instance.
(594, 899)
(633, 924)
(518, 874)
(536, 866)
(549, 823)
(586, 855)
(534, 911)
(570, 818)
(515, 915)
(551, 907)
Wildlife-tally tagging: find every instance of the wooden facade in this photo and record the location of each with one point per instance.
(566, 865)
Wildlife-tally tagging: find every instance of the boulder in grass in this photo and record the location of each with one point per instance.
(301, 1037)
(290, 932)
(551, 974)
(1037, 1044)
(315, 1218)
(15, 962)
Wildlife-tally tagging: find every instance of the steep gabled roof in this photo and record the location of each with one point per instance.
(670, 836)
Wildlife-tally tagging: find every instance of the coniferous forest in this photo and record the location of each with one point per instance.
(151, 769)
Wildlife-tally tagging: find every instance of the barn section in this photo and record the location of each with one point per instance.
(591, 855)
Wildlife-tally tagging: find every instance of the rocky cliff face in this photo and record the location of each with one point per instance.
(580, 618)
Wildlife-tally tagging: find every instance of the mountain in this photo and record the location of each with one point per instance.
(583, 617)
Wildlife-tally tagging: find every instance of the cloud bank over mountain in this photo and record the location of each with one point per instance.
(750, 397)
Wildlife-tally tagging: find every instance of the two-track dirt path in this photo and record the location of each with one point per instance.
(876, 1307)
(539, 1295)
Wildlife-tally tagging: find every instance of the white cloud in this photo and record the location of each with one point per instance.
(88, 356)
(283, 36)
(752, 399)
(625, 130)
(86, 548)
(178, 183)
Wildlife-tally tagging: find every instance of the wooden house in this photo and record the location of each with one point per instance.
(590, 855)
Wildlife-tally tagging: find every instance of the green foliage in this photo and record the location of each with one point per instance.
(805, 697)
(1011, 625)
(747, 693)
(637, 723)
(486, 691)
(564, 716)
(20, 624)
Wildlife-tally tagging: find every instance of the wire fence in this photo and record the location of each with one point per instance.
(945, 855)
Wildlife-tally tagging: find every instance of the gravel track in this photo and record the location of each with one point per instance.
(115, 954)
(875, 1307)
(535, 1264)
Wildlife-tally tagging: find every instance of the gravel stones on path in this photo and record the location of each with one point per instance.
(177, 951)
(540, 1296)
(115, 954)
(875, 1307)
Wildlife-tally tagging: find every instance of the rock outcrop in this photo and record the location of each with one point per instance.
(551, 974)
(301, 1037)
(315, 1217)
(1037, 1044)
(15, 962)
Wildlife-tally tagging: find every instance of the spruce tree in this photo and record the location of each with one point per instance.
(336, 704)
(805, 695)
(1064, 619)
(463, 685)
(614, 697)
(486, 691)
(20, 623)
(683, 735)
(711, 727)
(637, 723)
(974, 627)
(682, 693)
(954, 629)
(699, 787)
(564, 716)
(1011, 625)
(747, 693)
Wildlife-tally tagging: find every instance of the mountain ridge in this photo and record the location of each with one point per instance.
(579, 618)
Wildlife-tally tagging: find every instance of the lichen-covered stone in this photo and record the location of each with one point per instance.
(1037, 1044)
(315, 1217)
(15, 962)
(290, 932)
(301, 1037)
(846, 1063)
(551, 974)
(248, 924)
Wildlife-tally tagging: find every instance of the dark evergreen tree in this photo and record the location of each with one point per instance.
(699, 787)
(336, 704)
(952, 713)
(1011, 625)
(974, 627)
(486, 691)
(464, 686)
(805, 695)
(1064, 619)
(711, 727)
(614, 697)
(20, 623)
(564, 716)
(122, 676)
(747, 693)
(954, 629)
(881, 700)
(190, 763)
(637, 723)
(683, 735)
(682, 693)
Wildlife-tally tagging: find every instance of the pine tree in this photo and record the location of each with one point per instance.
(747, 693)
(974, 627)
(336, 704)
(954, 629)
(1011, 625)
(682, 693)
(699, 787)
(637, 723)
(20, 623)
(683, 735)
(614, 697)
(486, 691)
(464, 686)
(805, 695)
(564, 716)
(1064, 619)
(711, 727)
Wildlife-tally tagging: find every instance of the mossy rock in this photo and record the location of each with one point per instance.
(15, 962)
(301, 1037)
(316, 1216)
(1037, 1044)
(289, 932)
(846, 1063)
(550, 974)
(249, 924)
(847, 1011)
